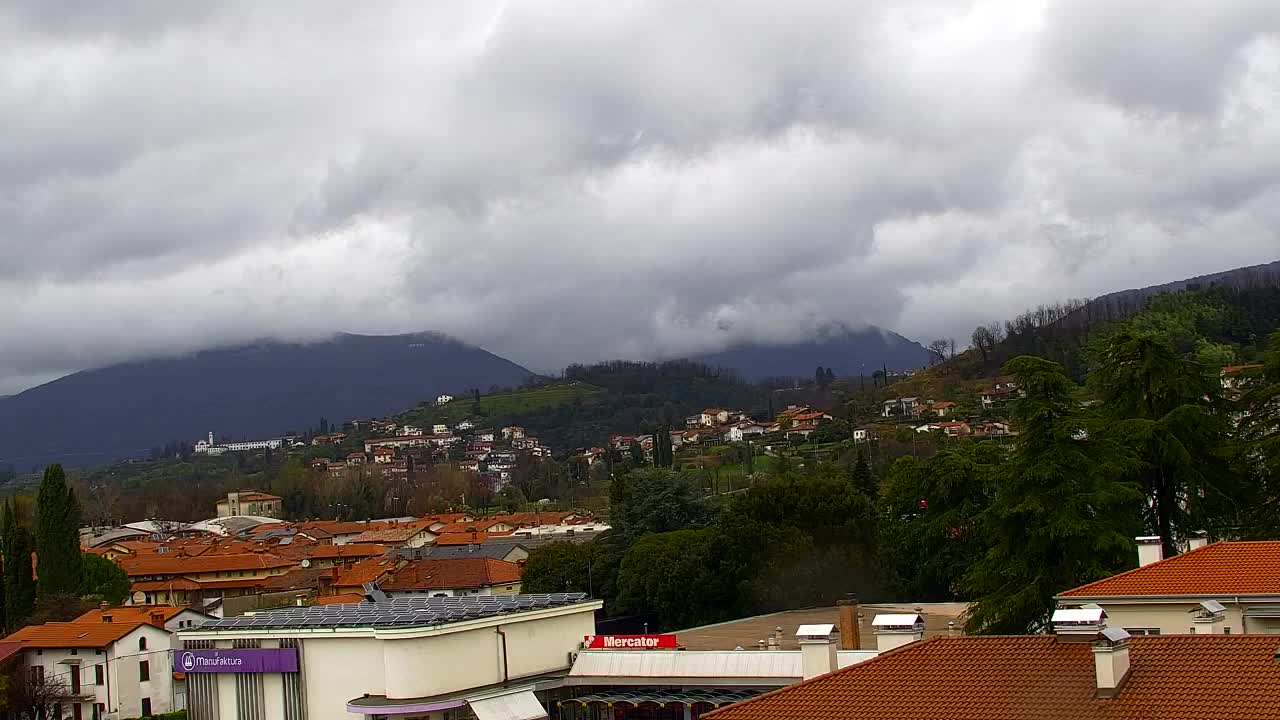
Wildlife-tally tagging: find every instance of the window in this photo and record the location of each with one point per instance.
(1143, 631)
(77, 712)
(75, 681)
(146, 707)
(97, 711)
(144, 673)
(97, 675)
(142, 643)
(1226, 630)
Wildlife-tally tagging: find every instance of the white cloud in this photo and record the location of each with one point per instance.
(569, 181)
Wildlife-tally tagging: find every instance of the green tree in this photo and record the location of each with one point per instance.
(19, 578)
(931, 529)
(1061, 514)
(650, 501)
(636, 453)
(1260, 429)
(673, 575)
(103, 580)
(1166, 407)
(862, 478)
(57, 534)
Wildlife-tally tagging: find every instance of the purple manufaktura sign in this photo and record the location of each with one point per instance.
(250, 660)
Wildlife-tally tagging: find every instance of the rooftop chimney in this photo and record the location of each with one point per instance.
(1209, 618)
(1197, 541)
(817, 650)
(156, 617)
(104, 606)
(850, 633)
(894, 631)
(1111, 661)
(1080, 624)
(1150, 550)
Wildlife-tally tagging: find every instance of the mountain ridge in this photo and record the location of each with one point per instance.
(847, 351)
(261, 388)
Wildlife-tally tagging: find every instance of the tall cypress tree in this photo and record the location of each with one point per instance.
(19, 583)
(57, 534)
(863, 479)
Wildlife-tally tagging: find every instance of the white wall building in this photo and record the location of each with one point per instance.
(422, 658)
(210, 447)
(107, 670)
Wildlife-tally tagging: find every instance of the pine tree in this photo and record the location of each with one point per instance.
(19, 580)
(1167, 409)
(862, 478)
(57, 535)
(1062, 514)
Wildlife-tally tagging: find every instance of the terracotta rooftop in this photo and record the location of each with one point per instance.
(177, 583)
(167, 564)
(338, 552)
(72, 634)
(466, 538)
(1172, 677)
(365, 571)
(391, 535)
(456, 573)
(132, 613)
(1225, 568)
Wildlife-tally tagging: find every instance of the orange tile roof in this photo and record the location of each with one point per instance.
(466, 538)
(478, 525)
(177, 583)
(338, 552)
(342, 599)
(1225, 568)
(72, 634)
(167, 564)
(366, 571)
(132, 613)
(456, 573)
(1172, 677)
(399, 534)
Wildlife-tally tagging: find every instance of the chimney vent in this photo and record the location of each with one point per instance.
(1111, 661)
(894, 631)
(1079, 624)
(104, 606)
(1197, 541)
(817, 650)
(1150, 550)
(850, 633)
(1209, 616)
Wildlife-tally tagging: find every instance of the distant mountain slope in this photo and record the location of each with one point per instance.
(847, 352)
(256, 390)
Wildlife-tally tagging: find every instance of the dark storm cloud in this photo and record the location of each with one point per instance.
(565, 181)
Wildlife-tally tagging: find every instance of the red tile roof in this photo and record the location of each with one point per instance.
(456, 573)
(366, 571)
(478, 525)
(167, 564)
(1225, 568)
(1172, 677)
(132, 613)
(72, 634)
(389, 536)
(340, 552)
(466, 538)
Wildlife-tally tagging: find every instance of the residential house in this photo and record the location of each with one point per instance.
(180, 579)
(906, 407)
(439, 429)
(102, 670)
(1225, 587)
(465, 425)
(712, 417)
(524, 443)
(414, 534)
(337, 532)
(951, 429)
(1082, 672)
(330, 556)
(383, 456)
(1236, 377)
(861, 435)
(410, 430)
(744, 430)
(693, 421)
(443, 400)
(331, 438)
(169, 617)
(355, 458)
(250, 502)
(942, 409)
(513, 552)
(397, 443)
(467, 538)
(483, 436)
(513, 432)
(489, 525)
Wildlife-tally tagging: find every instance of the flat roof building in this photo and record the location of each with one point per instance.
(425, 658)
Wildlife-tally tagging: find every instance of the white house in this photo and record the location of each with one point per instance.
(742, 431)
(417, 657)
(861, 435)
(410, 430)
(465, 425)
(439, 429)
(105, 669)
(443, 400)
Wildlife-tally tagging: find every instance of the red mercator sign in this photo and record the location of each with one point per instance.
(630, 642)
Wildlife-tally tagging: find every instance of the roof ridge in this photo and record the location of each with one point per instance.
(1165, 561)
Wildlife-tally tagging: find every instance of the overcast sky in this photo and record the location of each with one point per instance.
(561, 181)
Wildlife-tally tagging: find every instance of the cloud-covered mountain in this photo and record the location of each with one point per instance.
(847, 352)
(256, 390)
